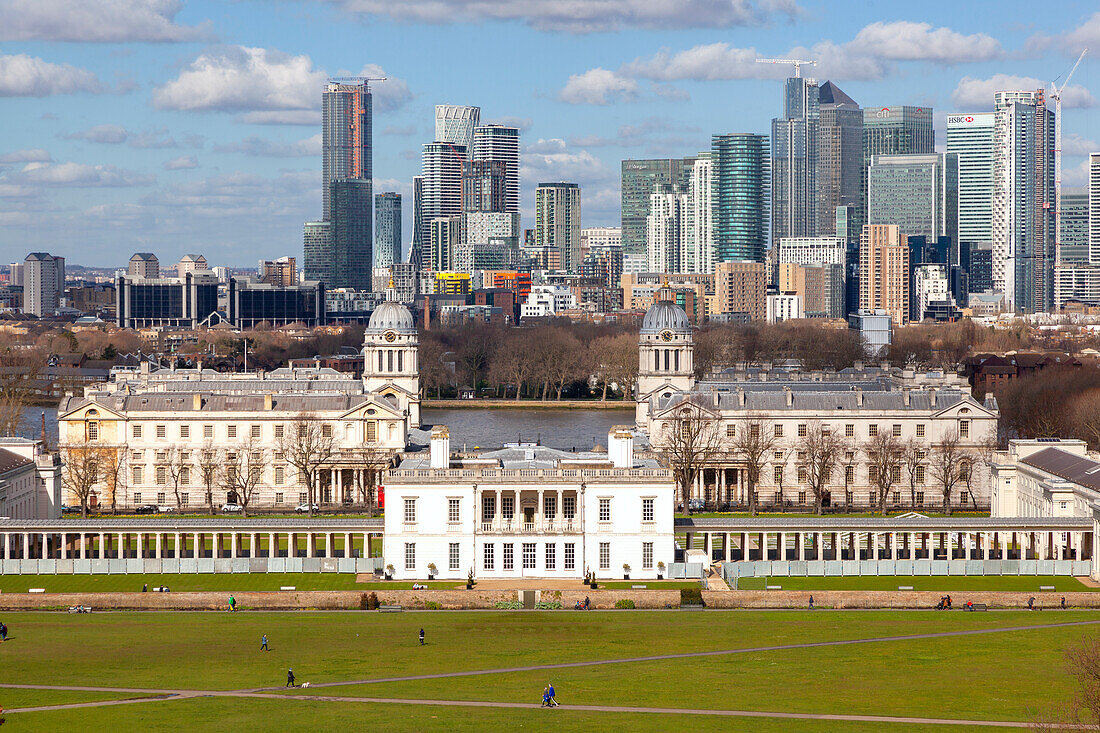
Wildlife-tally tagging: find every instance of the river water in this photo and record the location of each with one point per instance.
(486, 429)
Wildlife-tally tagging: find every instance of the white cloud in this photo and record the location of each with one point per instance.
(523, 124)
(35, 155)
(242, 79)
(108, 134)
(670, 92)
(388, 95)
(29, 76)
(552, 160)
(79, 175)
(303, 117)
(97, 21)
(1074, 145)
(908, 41)
(598, 86)
(261, 147)
(707, 62)
(184, 162)
(583, 16)
(1085, 35)
(977, 94)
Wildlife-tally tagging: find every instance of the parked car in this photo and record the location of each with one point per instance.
(164, 509)
(304, 508)
(70, 509)
(696, 505)
(146, 509)
(231, 509)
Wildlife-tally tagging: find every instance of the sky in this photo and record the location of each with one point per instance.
(178, 126)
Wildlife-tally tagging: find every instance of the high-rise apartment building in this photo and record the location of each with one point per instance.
(352, 234)
(1094, 209)
(697, 249)
(665, 228)
(445, 236)
(346, 145)
(1074, 226)
(1023, 199)
(43, 283)
(318, 258)
(282, 273)
(640, 178)
(558, 221)
(481, 227)
(484, 186)
(919, 193)
(839, 155)
(739, 196)
(740, 287)
(794, 161)
(387, 229)
(455, 123)
(191, 263)
(143, 264)
(418, 248)
(500, 144)
(442, 164)
(884, 271)
(970, 136)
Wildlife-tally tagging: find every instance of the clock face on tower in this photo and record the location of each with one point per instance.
(666, 335)
(390, 336)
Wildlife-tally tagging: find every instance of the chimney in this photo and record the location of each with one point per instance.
(932, 396)
(620, 447)
(440, 456)
(790, 396)
(859, 397)
(715, 393)
(196, 401)
(741, 396)
(906, 393)
(269, 402)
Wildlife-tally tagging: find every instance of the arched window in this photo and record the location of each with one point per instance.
(91, 416)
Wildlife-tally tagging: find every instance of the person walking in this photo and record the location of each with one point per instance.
(1063, 603)
(3, 631)
(232, 604)
(263, 643)
(811, 603)
(550, 690)
(290, 678)
(422, 637)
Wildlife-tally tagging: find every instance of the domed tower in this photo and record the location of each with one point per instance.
(390, 361)
(665, 351)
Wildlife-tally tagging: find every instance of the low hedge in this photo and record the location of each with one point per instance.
(624, 603)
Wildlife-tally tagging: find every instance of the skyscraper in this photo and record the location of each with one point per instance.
(884, 271)
(484, 186)
(317, 255)
(418, 247)
(558, 221)
(442, 164)
(794, 161)
(1094, 209)
(1023, 199)
(455, 123)
(970, 136)
(665, 228)
(903, 130)
(387, 229)
(697, 252)
(500, 144)
(919, 193)
(346, 135)
(640, 178)
(739, 196)
(839, 155)
(1074, 249)
(43, 283)
(352, 240)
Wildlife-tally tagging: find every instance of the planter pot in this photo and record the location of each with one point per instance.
(626, 576)
(469, 586)
(660, 576)
(592, 586)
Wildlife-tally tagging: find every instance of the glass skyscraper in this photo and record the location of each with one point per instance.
(794, 161)
(500, 144)
(387, 229)
(970, 136)
(919, 193)
(739, 196)
(346, 135)
(455, 123)
(904, 130)
(839, 156)
(352, 242)
(640, 179)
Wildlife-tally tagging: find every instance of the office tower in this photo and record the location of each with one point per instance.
(980, 270)
(640, 178)
(697, 248)
(1023, 199)
(317, 251)
(484, 186)
(919, 193)
(884, 271)
(251, 304)
(794, 161)
(282, 272)
(1074, 225)
(346, 146)
(43, 283)
(352, 234)
(739, 287)
(387, 229)
(455, 123)
(558, 221)
(1094, 209)
(970, 136)
(903, 130)
(184, 302)
(418, 248)
(839, 155)
(445, 236)
(442, 164)
(739, 196)
(665, 228)
(143, 264)
(500, 144)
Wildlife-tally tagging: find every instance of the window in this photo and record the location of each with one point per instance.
(160, 498)
(162, 475)
(731, 430)
(871, 498)
(184, 498)
(487, 557)
(550, 506)
(162, 455)
(231, 431)
(964, 470)
(551, 556)
(135, 455)
(185, 475)
(185, 432)
(255, 432)
(279, 431)
(569, 506)
(778, 431)
(802, 430)
(410, 555)
(801, 455)
(848, 496)
(962, 498)
(161, 431)
(920, 430)
(896, 430)
(647, 556)
(372, 431)
(801, 497)
(452, 556)
(509, 559)
(777, 473)
(779, 455)
(488, 508)
(605, 556)
(849, 430)
(918, 475)
(872, 431)
(570, 556)
(208, 431)
(801, 475)
(921, 455)
(849, 474)
(508, 507)
(920, 498)
(280, 475)
(872, 473)
(278, 497)
(302, 498)
(964, 428)
(410, 511)
(647, 510)
(605, 510)
(452, 511)
(137, 498)
(137, 431)
(326, 430)
(895, 474)
(754, 430)
(93, 430)
(137, 475)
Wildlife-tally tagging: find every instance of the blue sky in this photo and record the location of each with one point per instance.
(193, 126)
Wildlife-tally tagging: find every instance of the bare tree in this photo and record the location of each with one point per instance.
(210, 467)
(177, 469)
(243, 472)
(782, 455)
(81, 471)
(1085, 418)
(753, 442)
(821, 450)
(17, 373)
(688, 440)
(308, 445)
(945, 463)
(912, 457)
(885, 455)
(112, 468)
(511, 363)
(849, 461)
(1083, 664)
(373, 462)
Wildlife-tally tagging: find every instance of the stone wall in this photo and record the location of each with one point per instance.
(889, 599)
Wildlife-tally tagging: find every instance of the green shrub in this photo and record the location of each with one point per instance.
(433, 605)
(624, 603)
(548, 605)
(691, 596)
(370, 602)
(508, 605)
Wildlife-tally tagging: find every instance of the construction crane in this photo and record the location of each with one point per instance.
(354, 79)
(1056, 95)
(797, 64)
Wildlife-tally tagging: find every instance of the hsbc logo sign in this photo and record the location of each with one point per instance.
(968, 119)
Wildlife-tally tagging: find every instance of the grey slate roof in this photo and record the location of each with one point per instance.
(1078, 469)
(815, 399)
(165, 402)
(534, 457)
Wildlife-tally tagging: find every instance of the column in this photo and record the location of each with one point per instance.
(540, 513)
(196, 545)
(330, 549)
(272, 547)
(347, 544)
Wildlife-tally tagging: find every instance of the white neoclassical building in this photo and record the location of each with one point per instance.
(1045, 477)
(162, 428)
(529, 512)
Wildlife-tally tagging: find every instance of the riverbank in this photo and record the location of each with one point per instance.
(526, 405)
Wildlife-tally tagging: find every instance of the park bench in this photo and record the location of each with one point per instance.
(976, 607)
(905, 587)
(773, 587)
(637, 587)
(389, 609)
(80, 609)
(1046, 587)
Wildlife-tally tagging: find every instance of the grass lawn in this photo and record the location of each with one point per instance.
(945, 583)
(649, 584)
(178, 582)
(962, 677)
